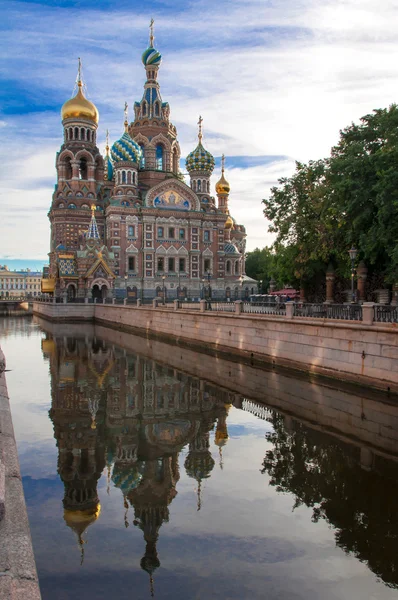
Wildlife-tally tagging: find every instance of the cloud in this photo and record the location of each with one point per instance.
(270, 80)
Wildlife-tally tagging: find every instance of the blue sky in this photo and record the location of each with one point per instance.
(274, 82)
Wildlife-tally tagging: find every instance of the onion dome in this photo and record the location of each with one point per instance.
(229, 223)
(126, 477)
(79, 107)
(126, 149)
(151, 57)
(222, 185)
(79, 520)
(200, 159)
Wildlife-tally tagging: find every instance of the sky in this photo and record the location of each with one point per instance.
(274, 81)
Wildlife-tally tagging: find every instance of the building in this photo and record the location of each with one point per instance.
(19, 284)
(126, 223)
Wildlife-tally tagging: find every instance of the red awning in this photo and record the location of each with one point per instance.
(286, 292)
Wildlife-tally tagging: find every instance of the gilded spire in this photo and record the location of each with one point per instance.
(200, 134)
(151, 34)
(126, 117)
(79, 79)
(107, 142)
(222, 164)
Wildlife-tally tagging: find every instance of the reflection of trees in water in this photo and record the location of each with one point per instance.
(325, 474)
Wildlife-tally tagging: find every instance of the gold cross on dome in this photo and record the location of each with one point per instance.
(200, 135)
(151, 35)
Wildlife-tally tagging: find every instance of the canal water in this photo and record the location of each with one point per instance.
(152, 471)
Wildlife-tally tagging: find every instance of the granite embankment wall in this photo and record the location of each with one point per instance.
(365, 354)
(18, 576)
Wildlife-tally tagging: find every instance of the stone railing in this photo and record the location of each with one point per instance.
(346, 312)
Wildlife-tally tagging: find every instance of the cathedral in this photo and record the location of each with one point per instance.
(127, 224)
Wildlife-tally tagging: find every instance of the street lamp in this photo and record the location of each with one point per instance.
(353, 254)
(164, 289)
(125, 283)
(203, 288)
(241, 286)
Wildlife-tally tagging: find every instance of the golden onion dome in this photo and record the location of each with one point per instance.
(79, 107)
(229, 223)
(222, 186)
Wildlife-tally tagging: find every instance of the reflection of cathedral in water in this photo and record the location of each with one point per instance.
(133, 415)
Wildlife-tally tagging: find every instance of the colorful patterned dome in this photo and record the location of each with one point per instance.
(126, 149)
(199, 465)
(200, 160)
(79, 107)
(126, 477)
(151, 57)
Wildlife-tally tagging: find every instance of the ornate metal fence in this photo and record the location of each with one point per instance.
(346, 312)
(263, 308)
(386, 314)
(221, 306)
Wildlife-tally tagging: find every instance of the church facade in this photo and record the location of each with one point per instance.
(127, 224)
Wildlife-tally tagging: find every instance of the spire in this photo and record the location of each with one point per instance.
(151, 35)
(107, 143)
(126, 117)
(93, 233)
(79, 79)
(222, 164)
(200, 134)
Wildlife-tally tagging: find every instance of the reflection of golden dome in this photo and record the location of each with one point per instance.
(79, 520)
(79, 107)
(229, 223)
(222, 185)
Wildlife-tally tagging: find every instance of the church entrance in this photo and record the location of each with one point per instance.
(71, 292)
(99, 293)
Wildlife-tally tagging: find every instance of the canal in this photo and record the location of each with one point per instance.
(151, 470)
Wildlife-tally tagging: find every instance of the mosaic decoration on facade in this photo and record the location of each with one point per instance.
(172, 199)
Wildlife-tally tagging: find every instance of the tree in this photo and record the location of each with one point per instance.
(349, 198)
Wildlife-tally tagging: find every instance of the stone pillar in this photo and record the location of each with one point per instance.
(330, 277)
(289, 310)
(75, 169)
(238, 307)
(368, 313)
(155, 302)
(113, 300)
(202, 305)
(125, 301)
(362, 274)
(176, 304)
(139, 302)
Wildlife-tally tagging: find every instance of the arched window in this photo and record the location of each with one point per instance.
(76, 133)
(123, 176)
(88, 135)
(128, 176)
(85, 207)
(71, 205)
(208, 187)
(82, 134)
(199, 185)
(144, 108)
(228, 267)
(236, 267)
(68, 168)
(134, 178)
(159, 157)
(70, 133)
(83, 168)
(156, 109)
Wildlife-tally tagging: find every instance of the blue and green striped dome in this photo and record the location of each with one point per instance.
(200, 160)
(151, 57)
(126, 149)
(126, 477)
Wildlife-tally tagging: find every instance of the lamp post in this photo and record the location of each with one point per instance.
(164, 289)
(208, 275)
(353, 254)
(125, 283)
(241, 286)
(179, 284)
(203, 288)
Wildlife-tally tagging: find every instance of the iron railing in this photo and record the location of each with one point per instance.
(264, 308)
(386, 314)
(345, 312)
(221, 306)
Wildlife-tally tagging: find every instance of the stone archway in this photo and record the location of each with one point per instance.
(71, 292)
(99, 289)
